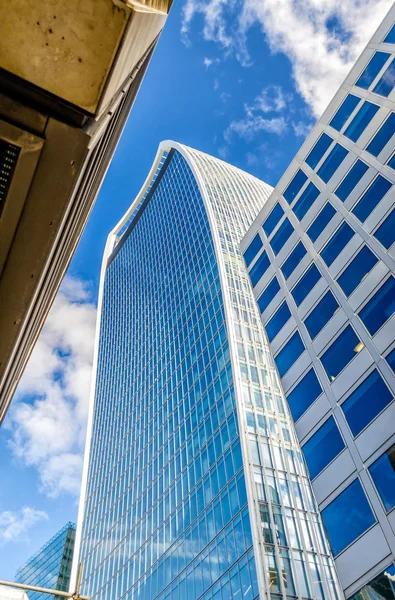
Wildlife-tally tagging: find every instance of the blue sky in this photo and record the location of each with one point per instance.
(243, 80)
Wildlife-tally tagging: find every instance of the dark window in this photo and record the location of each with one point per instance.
(321, 221)
(304, 394)
(381, 587)
(372, 70)
(386, 232)
(386, 84)
(289, 354)
(347, 517)
(294, 187)
(344, 112)
(341, 352)
(390, 39)
(322, 447)
(383, 475)
(277, 321)
(380, 308)
(390, 358)
(268, 294)
(260, 267)
(319, 150)
(332, 162)
(366, 402)
(391, 162)
(305, 284)
(370, 199)
(281, 236)
(293, 260)
(273, 219)
(357, 270)
(306, 200)
(361, 120)
(253, 249)
(383, 136)
(322, 313)
(352, 178)
(336, 244)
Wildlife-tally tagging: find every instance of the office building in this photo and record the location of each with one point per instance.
(321, 259)
(50, 567)
(194, 486)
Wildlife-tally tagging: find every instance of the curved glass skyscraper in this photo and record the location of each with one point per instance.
(194, 485)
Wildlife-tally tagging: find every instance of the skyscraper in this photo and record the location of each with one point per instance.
(321, 258)
(194, 485)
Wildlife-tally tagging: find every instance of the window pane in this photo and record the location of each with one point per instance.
(253, 249)
(380, 308)
(305, 284)
(386, 232)
(306, 200)
(366, 402)
(321, 221)
(383, 475)
(357, 270)
(344, 112)
(293, 260)
(336, 244)
(281, 236)
(332, 162)
(304, 394)
(391, 162)
(268, 294)
(278, 321)
(383, 136)
(322, 447)
(341, 352)
(371, 198)
(361, 120)
(347, 517)
(381, 587)
(386, 84)
(372, 70)
(294, 187)
(353, 177)
(390, 358)
(289, 354)
(319, 150)
(273, 219)
(320, 316)
(260, 267)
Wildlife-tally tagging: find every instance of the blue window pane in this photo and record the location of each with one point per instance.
(305, 284)
(380, 308)
(361, 121)
(321, 221)
(273, 219)
(380, 587)
(353, 177)
(319, 150)
(260, 267)
(372, 70)
(336, 244)
(383, 475)
(386, 84)
(370, 199)
(390, 39)
(304, 394)
(344, 112)
(332, 162)
(347, 517)
(289, 354)
(306, 200)
(322, 447)
(386, 232)
(383, 136)
(391, 162)
(281, 236)
(341, 352)
(366, 402)
(390, 358)
(320, 316)
(253, 249)
(293, 260)
(356, 271)
(268, 294)
(294, 187)
(278, 321)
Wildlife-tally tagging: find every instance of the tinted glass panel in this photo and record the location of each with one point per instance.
(390, 358)
(391, 162)
(390, 39)
(381, 587)
(379, 308)
(342, 351)
(305, 284)
(347, 517)
(289, 354)
(383, 475)
(306, 200)
(371, 198)
(273, 219)
(356, 271)
(353, 177)
(386, 84)
(372, 70)
(294, 187)
(336, 244)
(267, 296)
(319, 150)
(361, 120)
(383, 136)
(253, 249)
(332, 162)
(259, 268)
(278, 321)
(366, 402)
(304, 394)
(293, 260)
(322, 313)
(344, 112)
(322, 447)
(386, 232)
(281, 236)
(321, 221)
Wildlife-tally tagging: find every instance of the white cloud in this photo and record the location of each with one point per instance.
(249, 127)
(302, 129)
(47, 421)
(14, 525)
(271, 99)
(209, 62)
